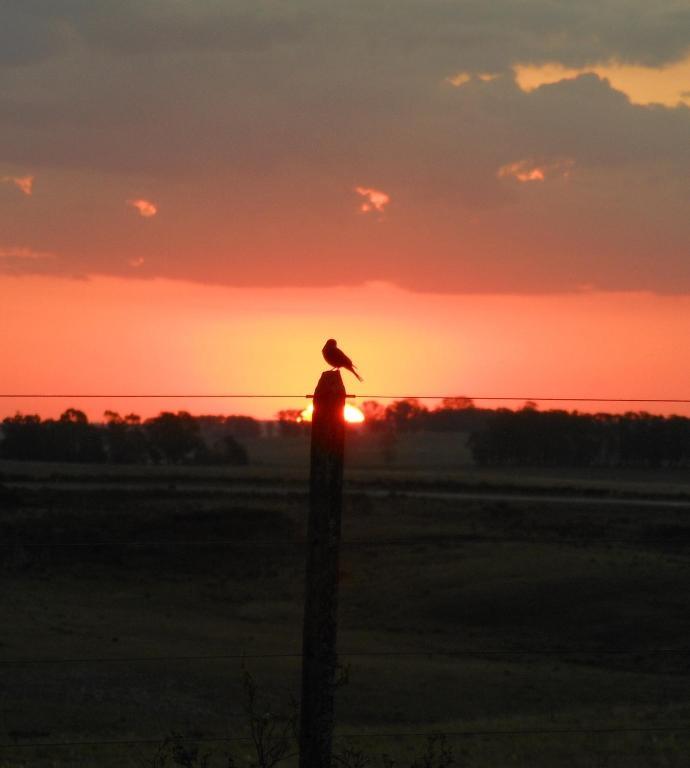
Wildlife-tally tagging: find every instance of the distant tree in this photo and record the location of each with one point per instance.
(70, 438)
(374, 415)
(73, 416)
(559, 438)
(125, 439)
(212, 430)
(219, 435)
(73, 439)
(406, 415)
(677, 440)
(289, 422)
(174, 438)
(243, 427)
(289, 414)
(454, 414)
(24, 438)
(456, 403)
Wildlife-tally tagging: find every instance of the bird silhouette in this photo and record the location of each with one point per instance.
(337, 358)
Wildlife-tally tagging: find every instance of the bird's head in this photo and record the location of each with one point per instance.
(331, 343)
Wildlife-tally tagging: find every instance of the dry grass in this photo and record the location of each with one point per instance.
(580, 579)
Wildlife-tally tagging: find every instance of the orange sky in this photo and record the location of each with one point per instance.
(111, 335)
(473, 198)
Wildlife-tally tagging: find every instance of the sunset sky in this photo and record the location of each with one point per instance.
(479, 198)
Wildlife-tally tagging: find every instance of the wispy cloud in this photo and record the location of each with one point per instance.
(530, 170)
(374, 200)
(21, 253)
(136, 262)
(460, 78)
(21, 260)
(146, 208)
(24, 183)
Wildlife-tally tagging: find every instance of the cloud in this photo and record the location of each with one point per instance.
(374, 199)
(522, 170)
(461, 78)
(530, 170)
(585, 119)
(24, 183)
(136, 262)
(21, 260)
(146, 208)
(25, 254)
(225, 109)
(641, 84)
(153, 27)
(28, 34)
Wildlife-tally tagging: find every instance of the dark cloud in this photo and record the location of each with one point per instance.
(35, 29)
(254, 123)
(481, 34)
(27, 36)
(175, 27)
(587, 119)
(470, 34)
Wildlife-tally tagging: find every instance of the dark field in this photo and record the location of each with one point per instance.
(547, 611)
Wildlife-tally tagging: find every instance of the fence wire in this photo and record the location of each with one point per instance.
(293, 396)
(490, 733)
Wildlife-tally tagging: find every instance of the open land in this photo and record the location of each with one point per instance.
(520, 612)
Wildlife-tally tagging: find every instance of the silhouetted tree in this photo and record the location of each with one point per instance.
(456, 403)
(374, 415)
(175, 438)
(71, 438)
(499, 437)
(243, 427)
(75, 439)
(559, 438)
(125, 439)
(218, 434)
(289, 422)
(24, 438)
(454, 414)
(405, 415)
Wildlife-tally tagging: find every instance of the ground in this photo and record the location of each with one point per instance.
(458, 614)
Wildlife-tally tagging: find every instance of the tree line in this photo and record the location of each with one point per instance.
(169, 438)
(527, 436)
(496, 437)
(562, 438)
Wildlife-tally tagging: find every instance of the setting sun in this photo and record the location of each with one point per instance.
(352, 414)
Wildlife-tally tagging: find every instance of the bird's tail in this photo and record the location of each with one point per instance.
(354, 370)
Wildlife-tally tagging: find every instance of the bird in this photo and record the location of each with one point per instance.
(337, 358)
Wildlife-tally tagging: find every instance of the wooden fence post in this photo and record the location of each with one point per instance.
(321, 593)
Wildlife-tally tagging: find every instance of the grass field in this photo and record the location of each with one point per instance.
(478, 615)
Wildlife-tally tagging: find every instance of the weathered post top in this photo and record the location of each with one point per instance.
(328, 418)
(330, 387)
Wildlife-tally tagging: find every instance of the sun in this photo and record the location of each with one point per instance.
(352, 414)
